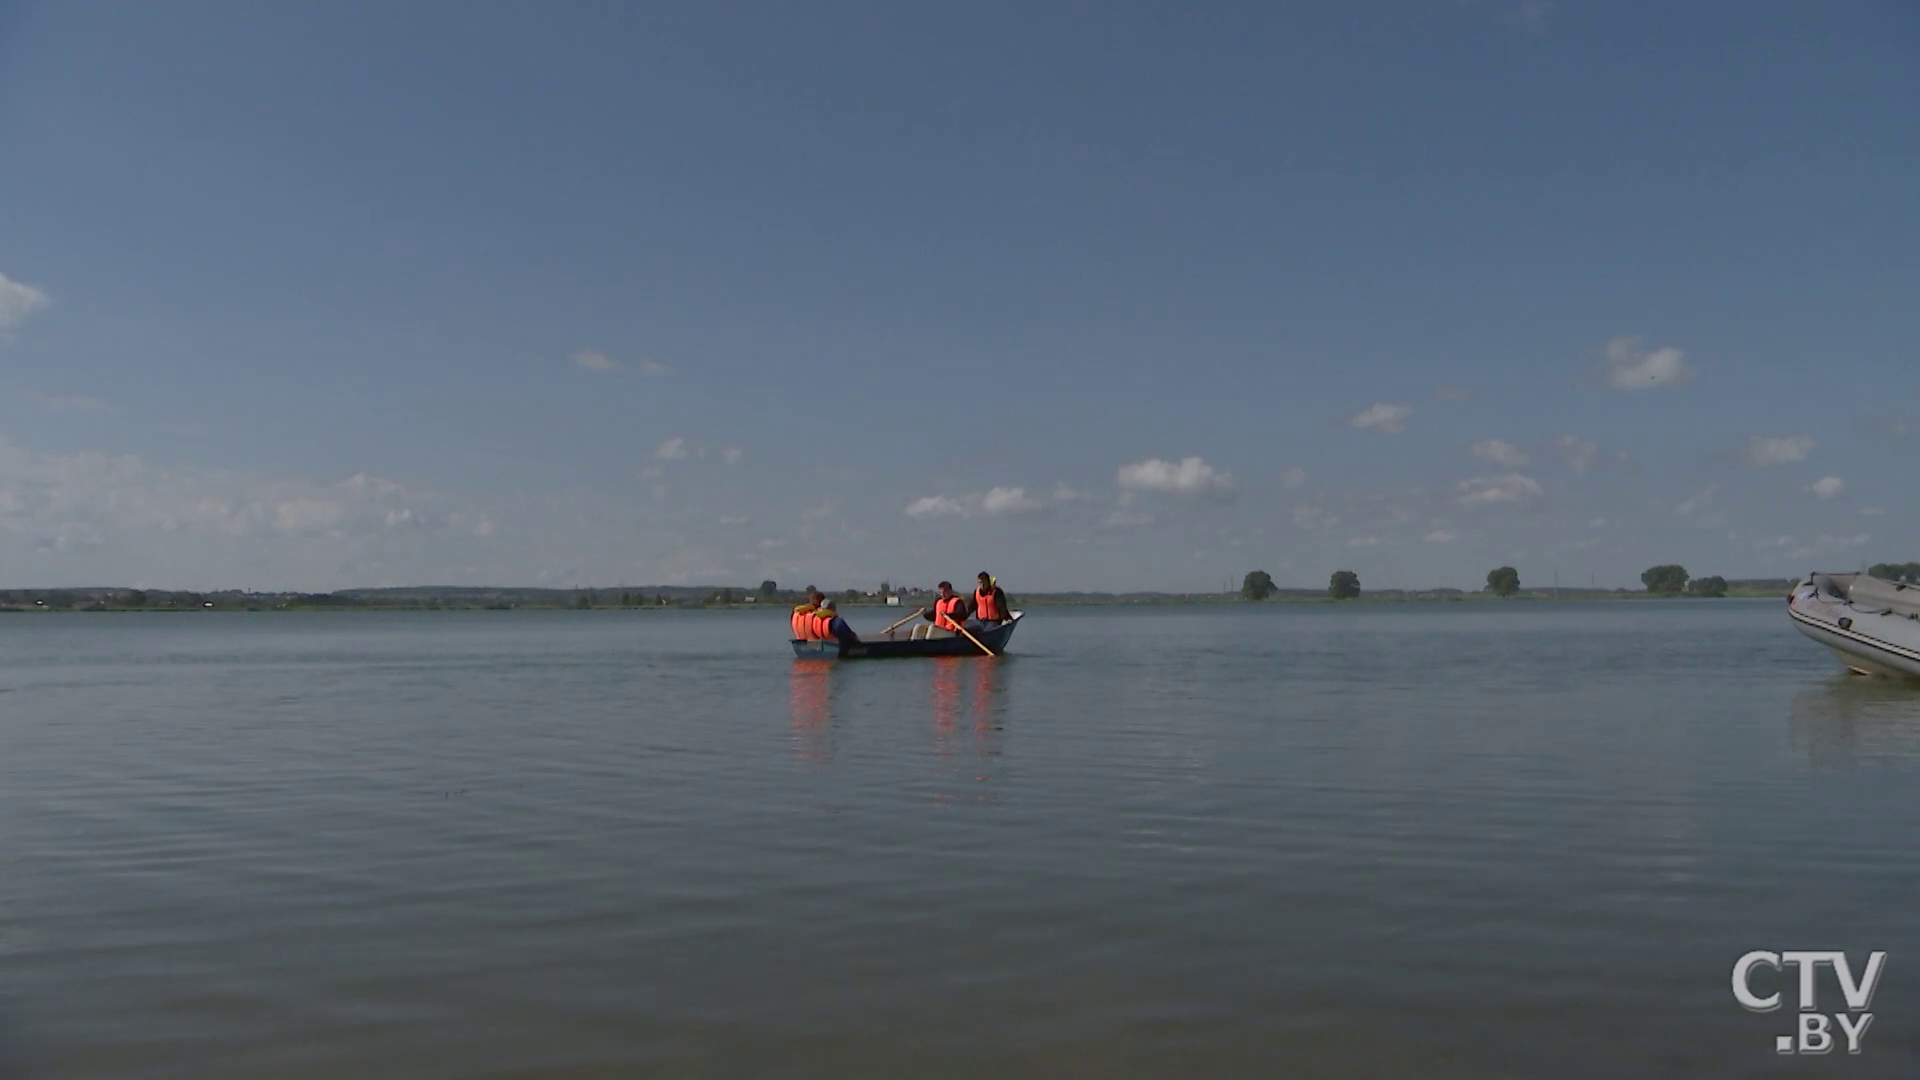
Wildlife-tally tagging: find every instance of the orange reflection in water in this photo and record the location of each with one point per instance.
(986, 680)
(810, 697)
(981, 675)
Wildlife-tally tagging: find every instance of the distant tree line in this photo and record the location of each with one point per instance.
(1672, 580)
(1504, 581)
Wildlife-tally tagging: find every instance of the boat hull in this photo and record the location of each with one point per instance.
(1869, 640)
(890, 648)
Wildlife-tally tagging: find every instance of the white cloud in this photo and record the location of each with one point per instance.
(315, 515)
(17, 301)
(731, 454)
(1382, 417)
(1631, 368)
(69, 402)
(674, 449)
(1489, 490)
(652, 472)
(1065, 494)
(1597, 523)
(1501, 452)
(1579, 452)
(735, 520)
(372, 486)
(1440, 536)
(1872, 511)
(1191, 478)
(1827, 487)
(595, 361)
(1779, 450)
(1363, 541)
(1698, 502)
(1004, 500)
(1314, 517)
(997, 502)
(934, 506)
(1451, 393)
(1293, 478)
(147, 521)
(1531, 15)
(1825, 543)
(654, 369)
(1127, 519)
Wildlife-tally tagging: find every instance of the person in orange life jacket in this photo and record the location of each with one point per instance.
(803, 613)
(821, 621)
(989, 607)
(950, 609)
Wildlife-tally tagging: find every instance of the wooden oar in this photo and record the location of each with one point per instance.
(973, 639)
(909, 618)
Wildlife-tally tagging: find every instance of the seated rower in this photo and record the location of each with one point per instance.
(949, 610)
(819, 620)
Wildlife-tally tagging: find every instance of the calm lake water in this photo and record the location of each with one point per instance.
(1523, 840)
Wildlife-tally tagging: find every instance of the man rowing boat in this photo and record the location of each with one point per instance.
(949, 609)
(985, 609)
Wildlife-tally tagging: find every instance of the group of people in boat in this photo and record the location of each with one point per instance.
(819, 619)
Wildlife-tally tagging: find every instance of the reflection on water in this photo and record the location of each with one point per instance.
(978, 714)
(985, 707)
(1853, 720)
(810, 699)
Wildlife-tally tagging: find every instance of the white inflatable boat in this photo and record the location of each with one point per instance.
(1872, 625)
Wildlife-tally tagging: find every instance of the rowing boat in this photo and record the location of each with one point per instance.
(945, 644)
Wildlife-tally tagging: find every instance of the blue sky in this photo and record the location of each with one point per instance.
(1101, 296)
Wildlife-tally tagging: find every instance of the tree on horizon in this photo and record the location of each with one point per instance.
(1665, 580)
(1344, 585)
(1503, 582)
(1258, 585)
(1708, 586)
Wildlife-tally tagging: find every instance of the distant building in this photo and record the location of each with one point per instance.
(893, 601)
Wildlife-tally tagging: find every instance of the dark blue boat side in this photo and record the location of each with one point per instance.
(880, 648)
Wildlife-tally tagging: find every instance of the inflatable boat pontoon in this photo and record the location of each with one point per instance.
(1872, 625)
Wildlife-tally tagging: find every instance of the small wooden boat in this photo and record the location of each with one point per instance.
(878, 648)
(1873, 626)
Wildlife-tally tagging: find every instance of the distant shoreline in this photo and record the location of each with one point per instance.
(29, 601)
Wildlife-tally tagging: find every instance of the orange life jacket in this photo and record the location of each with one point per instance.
(811, 624)
(985, 607)
(945, 610)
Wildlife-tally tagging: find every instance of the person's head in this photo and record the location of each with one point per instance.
(986, 580)
(816, 595)
(946, 589)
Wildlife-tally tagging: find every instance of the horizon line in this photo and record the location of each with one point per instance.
(754, 590)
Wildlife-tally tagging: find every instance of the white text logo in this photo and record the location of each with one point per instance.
(1814, 1034)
